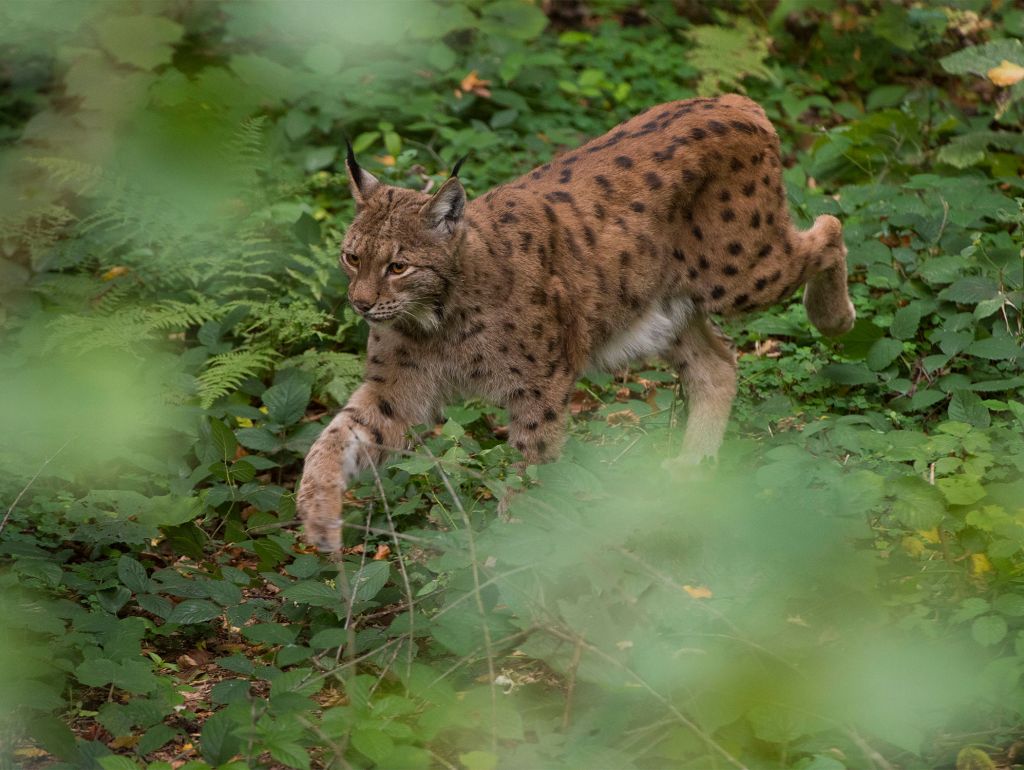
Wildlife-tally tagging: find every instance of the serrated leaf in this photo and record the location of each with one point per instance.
(996, 348)
(961, 490)
(142, 41)
(286, 402)
(905, 323)
(374, 743)
(217, 740)
(132, 574)
(328, 638)
(849, 374)
(917, 503)
(193, 611)
(967, 406)
(312, 592)
(1009, 604)
(370, 579)
(988, 630)
(514, 19)
(883, 353)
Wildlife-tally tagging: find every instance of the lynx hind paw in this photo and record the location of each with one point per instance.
(321, 517)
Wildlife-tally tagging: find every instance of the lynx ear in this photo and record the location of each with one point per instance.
(444, 211)
(363, 182)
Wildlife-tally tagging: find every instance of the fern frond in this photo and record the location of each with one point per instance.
(225, 372)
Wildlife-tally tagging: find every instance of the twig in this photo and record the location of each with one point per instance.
(31, 481)
(577, 653)
(868, 750)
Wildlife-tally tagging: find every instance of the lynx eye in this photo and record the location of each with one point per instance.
(351, 260)
(397, 268)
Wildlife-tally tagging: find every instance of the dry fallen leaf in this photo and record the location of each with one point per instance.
(472, 83)
(115, 272)
(698, 592)
(385, 160)
(767, 348)
(383, 552)
(1006, 74)
(625, 417)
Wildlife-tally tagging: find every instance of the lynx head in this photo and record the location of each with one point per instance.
(400, 252)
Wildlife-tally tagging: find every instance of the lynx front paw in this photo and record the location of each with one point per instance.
(320, 510)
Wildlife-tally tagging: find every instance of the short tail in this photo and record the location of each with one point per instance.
(825, 296)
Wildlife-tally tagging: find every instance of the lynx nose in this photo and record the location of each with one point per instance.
(362, 305)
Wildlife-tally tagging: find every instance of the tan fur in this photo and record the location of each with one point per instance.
(621, 246)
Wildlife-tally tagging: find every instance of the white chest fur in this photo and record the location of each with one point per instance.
(650, 334)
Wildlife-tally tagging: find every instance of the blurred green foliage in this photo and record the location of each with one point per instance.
(845, 591)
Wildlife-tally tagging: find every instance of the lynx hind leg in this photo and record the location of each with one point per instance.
(825, 296)
(706, 362)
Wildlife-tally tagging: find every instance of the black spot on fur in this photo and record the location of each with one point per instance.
(755, 220)
(689, 175)
(760, 283)
(740, 300)
(735, 248)
(623, 162)
(719, 128)
(749, 189)
(559, 196)
(525, 238)
(653, 180)
(599, 211)
(718, 292)
(385, 408)
(730, 270)
(698, 133)
(766, 181)
(566, 176)
(638, 207)
(770, 219)
(662, 155)
(728, 215)
(532, 425)
(550, 415)
(725, 196)
(736, 164)
(703, 263)
(692, 272)
(588, 235)
(678, 254)
(698, 233)
(764, 251)
(603, 183)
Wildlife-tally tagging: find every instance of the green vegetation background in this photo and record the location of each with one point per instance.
(845, 591)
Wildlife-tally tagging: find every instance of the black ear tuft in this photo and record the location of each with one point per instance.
(458, 166)
(352, 163)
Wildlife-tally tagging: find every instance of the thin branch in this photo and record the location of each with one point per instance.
(31, 481)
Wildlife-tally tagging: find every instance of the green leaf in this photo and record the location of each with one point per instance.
(979, 59)
(849, 374)
(883, 353)
(513, 19)
(312, 592)
(370, 579)
(258, 439)
(328, 638)
(374, 743)
(917, 503)
(905, 323)
(961, 490)
(967, 406)
(996, 348)
(479, 760)
(307, 230)
(142, 41)
(1009, 604)
(269, 633)
(290, 754)
(223, 439)
(988, 630)
(117, 763)
(217, 740)
(286, 402)
(193, 611)
(132, 574)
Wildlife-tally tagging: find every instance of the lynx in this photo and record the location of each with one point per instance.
(618, 250)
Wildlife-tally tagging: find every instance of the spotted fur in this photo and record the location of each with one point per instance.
(619, 249)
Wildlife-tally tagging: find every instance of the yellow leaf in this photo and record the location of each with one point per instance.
(698, 592)
(912, 546)
(971, 758)
(980, 564)
(115, 272)
(30, 752)
(124, 742)
(1006, 74)
(930, 535)
(244, 422)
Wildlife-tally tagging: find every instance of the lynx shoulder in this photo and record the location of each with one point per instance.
(618, 250)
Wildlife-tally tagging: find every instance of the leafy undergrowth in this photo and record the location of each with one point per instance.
(844, 590)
